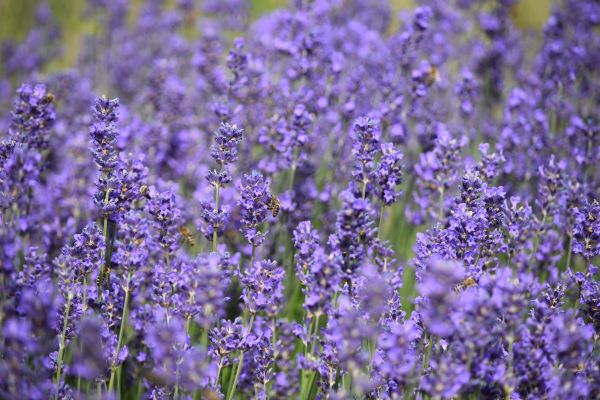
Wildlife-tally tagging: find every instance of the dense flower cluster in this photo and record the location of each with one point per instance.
(331, 201)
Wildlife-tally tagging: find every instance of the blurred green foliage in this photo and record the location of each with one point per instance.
(17, 16)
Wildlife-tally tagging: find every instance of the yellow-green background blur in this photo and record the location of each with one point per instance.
(17, 16)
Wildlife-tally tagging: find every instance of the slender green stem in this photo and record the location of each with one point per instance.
(121, 334)
(293, 170)
(238, 369)
(106, 249)
(570, 251)
(214, 238)
(176, 394)
(204, 338)
(381, 213)
(84, 311)
(427, 354)
(61, 346)
(219, 369)
(507, 386)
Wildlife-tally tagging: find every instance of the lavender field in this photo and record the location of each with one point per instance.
(335, 199)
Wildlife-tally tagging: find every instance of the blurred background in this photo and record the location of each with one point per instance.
(18, 16)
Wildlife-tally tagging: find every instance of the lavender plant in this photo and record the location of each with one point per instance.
(328, 201)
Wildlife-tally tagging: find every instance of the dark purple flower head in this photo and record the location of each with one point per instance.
(255, 194)
(354, 231)
(306, 240)
(203, 284)
(263, 287)
(224, 150)
(422, 17)
(167, 218)
(397, 355)
(32, 116)
(85, 255)
(436, 171)
(131, 251)
(213, 220)
(447, 378)
(237, 60)
(388, 174)
(467, 91)
(437, 288)
(490, 162)
(218, 177)
(552, 193)
(225, 341)
(586, 232)
(367, 135)
(569, 339)
(91, 358)
(103, 133)
(19, 175)
(131, 176)
(316, 271)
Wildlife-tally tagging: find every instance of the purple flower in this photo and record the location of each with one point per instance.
(388, 174)
(586, 232)
(167, 218)
(317, 272)
(354, 232)
(33, 116)
(227, 138)
(103, 133)
(438, 296)
(263, 287)
(255, 194)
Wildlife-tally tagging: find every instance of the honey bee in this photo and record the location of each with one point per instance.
(273, 204)
(100, 278)
(433, 76)
(466, 283)
(187, 236)
(107, 273)
(145, 191)
(103, 276)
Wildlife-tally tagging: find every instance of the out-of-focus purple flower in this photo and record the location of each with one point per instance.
(388, 174)
(103, 133)
(263, 287)
(227, 138)
(438, 296)
(167, 217)
(396, 357)
(225, 341)
(203, 285)
(354, 231)
(586, 232)
(255, 194)
(33, 116)
(317, 272)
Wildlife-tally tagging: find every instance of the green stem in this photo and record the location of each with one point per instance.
(381, 212)
(293, 170)
(121, 334)
(106, 249)
(214, 238)
(570, 251)
(507, 386)
(238, 369)
(427, 354)
(61, 347)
